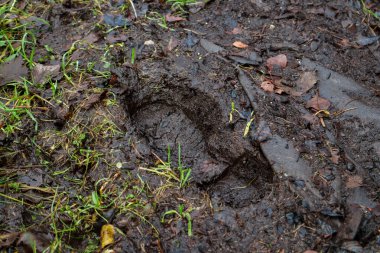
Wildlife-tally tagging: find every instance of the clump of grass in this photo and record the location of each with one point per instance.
(16, 35)
(17, 39)
(368, 11)
(158, 18)
(17, 101)
(179, 6)
(181, 213)
(179, 176)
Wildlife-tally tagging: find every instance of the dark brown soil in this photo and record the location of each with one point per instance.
(279, 189)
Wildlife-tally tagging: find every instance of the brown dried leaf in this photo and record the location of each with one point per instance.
(92, 100)
(305, 82)
(90, 38)
(115, 37)
(354, 182)
(280, 60)
(13, 70)
(318, 103)
(173, 43)
(170, 18)
(278, 91)
(335, 155)
(239, 44)
(236, 30)
(42, 73)
(344, 43)
(267, 86)
(335, 158)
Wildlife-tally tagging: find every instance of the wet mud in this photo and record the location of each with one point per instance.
(300, 179)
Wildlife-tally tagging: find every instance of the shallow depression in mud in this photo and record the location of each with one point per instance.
(228, 165)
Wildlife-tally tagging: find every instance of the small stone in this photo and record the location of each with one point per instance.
(292, 218)
(331, 213)
(352, 246)
(314, 46)
(302, 231)
(280, 230)
(262, 133)
(284, 99)
(269, 212)
(376, 148)
(233, 94)
(299, 183)
(350, 167)
(305, 204)
(325, 229)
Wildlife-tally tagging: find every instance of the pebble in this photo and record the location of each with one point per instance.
(305, 204)
(292, 218)
(302, 231)
(233, 94)
(325, 229)
(269, 212)
(350, 167)
(331, 213)
(280, 230)
(299, 183)
(314, 46)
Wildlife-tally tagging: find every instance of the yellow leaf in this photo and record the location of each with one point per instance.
(107, 235)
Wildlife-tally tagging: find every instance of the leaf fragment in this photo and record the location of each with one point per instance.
(107, 235)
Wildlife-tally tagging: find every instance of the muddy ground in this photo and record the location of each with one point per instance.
(284, 157)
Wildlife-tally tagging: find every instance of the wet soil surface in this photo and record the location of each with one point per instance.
(303, 178)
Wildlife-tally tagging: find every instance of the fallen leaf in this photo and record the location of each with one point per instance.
(149, 43)
(307, 81)
(267, 86)
(239, 44)
(318, 103)
(90, 38)
(173, 43)
(42, 73)
(210, 46)
(107, 235)
(278, 91)
(116, 37)
(236, 30)
(13, 70)
(93, 99)
(335, 155)
(171, 18)
(354, 182)
(280, 60)
(344, 43)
